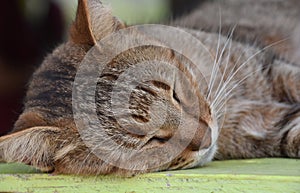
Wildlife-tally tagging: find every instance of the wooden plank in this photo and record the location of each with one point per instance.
(257, 175)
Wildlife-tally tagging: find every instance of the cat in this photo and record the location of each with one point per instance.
(252, 105)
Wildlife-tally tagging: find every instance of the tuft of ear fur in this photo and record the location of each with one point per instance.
(93, 22)
(34, 146)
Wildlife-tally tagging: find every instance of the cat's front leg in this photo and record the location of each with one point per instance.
(291, 138)
(286, 89)
(34, 146)
(56, 150)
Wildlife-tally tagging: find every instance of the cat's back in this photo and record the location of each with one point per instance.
(49, 96)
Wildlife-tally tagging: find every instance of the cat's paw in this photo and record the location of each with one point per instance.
(292, 139)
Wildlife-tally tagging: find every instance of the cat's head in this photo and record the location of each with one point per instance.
(161, 121)
(149, 102)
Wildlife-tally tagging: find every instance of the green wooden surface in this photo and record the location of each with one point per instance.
(257, 175)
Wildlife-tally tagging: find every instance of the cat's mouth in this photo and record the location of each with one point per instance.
(205, 151)
(191, 159)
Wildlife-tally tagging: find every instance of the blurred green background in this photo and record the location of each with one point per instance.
(29, 29)
(130, 11)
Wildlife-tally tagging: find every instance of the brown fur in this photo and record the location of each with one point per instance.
(261, 119)
(259, 22)
(81, 32)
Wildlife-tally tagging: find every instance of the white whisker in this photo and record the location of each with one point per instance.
(228, 57)
(229, 79)
(228, 94)
(216, 56)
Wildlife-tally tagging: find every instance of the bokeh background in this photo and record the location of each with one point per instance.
(29, 29)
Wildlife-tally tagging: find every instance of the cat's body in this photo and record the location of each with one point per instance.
(261, 118)
(258, 22)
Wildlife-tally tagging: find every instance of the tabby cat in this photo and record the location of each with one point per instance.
(250, 107)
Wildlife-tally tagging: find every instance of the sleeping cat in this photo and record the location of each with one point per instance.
(251, 103)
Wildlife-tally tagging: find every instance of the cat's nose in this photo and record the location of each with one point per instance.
(202, 139)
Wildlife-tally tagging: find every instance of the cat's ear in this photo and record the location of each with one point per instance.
(93, 22)
(34, 146)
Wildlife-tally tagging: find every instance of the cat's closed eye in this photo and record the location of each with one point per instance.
(176, 97)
